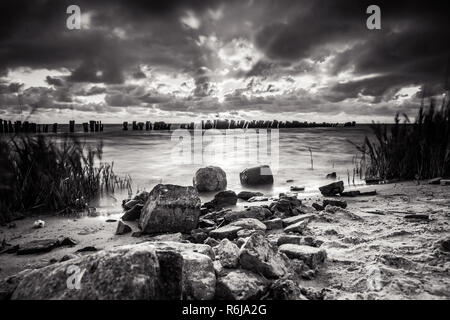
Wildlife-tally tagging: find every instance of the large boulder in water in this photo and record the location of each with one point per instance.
(332, 189)
(210, 179)
(170, 208)
(261, 175)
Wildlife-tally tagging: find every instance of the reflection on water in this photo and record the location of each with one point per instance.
(147, 156)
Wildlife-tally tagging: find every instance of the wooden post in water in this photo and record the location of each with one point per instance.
(17, 126)
(72, 126)
(134, 125)
(25, 127)
(85, 127)
(97, 126)
(101, 126)
(125, 126)
(92, 125)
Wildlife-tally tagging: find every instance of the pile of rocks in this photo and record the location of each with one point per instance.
(204, 252)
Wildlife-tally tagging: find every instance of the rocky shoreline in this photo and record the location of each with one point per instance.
(393, 243)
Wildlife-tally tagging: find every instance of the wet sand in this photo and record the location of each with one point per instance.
(381, 256)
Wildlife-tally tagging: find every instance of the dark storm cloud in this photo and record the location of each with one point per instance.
(293, 36)
(54, 81)
(412, 47)
(13, 87)
(34, 34)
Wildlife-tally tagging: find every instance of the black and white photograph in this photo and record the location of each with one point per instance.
(237, 150)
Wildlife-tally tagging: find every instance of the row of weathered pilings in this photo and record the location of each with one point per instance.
(97, 126)
(7, 126)
(232, 124)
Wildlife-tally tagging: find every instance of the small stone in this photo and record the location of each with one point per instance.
(246, 195)
(296, 219)
(274, 224)
(249, 223)
(245, 233)
(312, 256)
(332, 209)
(227, 253)
(258, 199)
(68, 257)
(198, 235)
(258, 255)
(335, 203)
(225, 198)
(240, 241)
(206, 223)
(332, 189)
(229, 232)
(122, 228)
(240, 285)
(211, 242)
(292, 239)
(218, 268)
(318, 207)
(88, 249)
(331, 176)
(136, 234)
(68, 242)
(285, 289)
(259, 213)
(297, 188)
(298, 227)
(111, 220)
(38, 224)
(176, 237)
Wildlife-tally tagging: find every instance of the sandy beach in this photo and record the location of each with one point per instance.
(382, 255)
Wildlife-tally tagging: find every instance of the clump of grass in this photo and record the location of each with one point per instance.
(407, 151)
(39, 173)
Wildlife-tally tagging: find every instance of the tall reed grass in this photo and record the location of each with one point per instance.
(39, 173)
(407, 151)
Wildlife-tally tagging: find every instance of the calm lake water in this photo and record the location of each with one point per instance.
(152, 157)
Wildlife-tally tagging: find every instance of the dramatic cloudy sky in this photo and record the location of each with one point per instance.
(309, 60)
